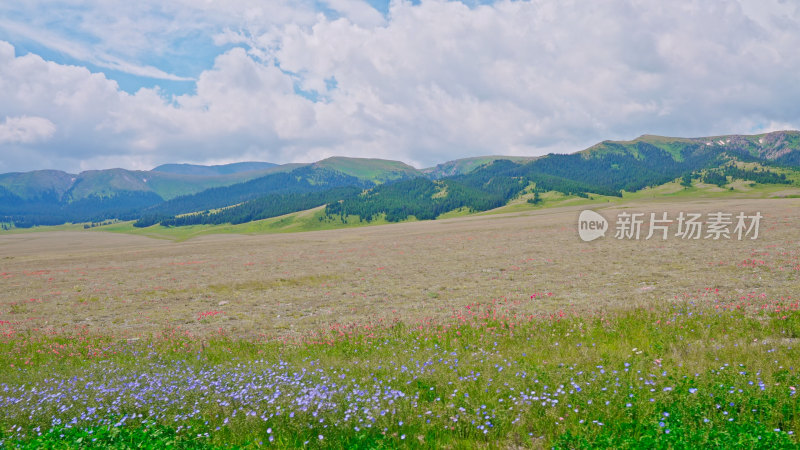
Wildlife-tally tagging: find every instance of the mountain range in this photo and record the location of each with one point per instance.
(181, 194)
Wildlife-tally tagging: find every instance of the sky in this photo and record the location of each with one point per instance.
(96, 84)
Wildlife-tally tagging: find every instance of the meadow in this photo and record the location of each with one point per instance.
(492, 331)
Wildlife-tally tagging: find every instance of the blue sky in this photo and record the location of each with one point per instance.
(91, 84)
(187, 53)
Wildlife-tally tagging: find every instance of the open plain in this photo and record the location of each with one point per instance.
(453, 302)
(285, 283)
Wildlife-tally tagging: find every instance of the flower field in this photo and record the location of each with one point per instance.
(428, 344)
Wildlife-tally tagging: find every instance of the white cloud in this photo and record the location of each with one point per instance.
(133, 30)
(427, 83)
(26, 130)
(531, 76)
(71, 97)
(357, 11)
(83, 53)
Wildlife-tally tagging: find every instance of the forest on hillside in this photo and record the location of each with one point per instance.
(609, 170)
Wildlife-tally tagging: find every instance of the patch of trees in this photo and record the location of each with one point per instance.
(47, 209)
(261, 208)
(610, 170)
(495, 184)
(720, 176)
(714, 177)
(791, 159)
(425, 199)
(125, 205)
(761, 176)
(298, 181)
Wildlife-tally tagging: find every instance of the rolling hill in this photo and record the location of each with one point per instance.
(296, 184)
(210, 171)
(779, 146)
(55, 197)
(369, 169)
(107, 183)
(464, 166)
(374, 189)
(606, 169)
(30, 185)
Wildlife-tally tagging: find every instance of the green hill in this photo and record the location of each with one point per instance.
(369, 169)
(210, 171)
(37, 183)
(464, 166)
(779, 146)
(109, 182)
(169, 186)
(375, 189)
(609, 169)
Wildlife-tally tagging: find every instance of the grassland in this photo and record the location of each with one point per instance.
(492, 331)
(315, 219)
(668, 192)
(310, 220)
(377, 170)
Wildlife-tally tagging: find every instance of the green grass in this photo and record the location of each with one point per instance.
(314, 220)
(697, 191)
(45, 228)
(376, 170)
(665, 377)
(467, 165)
(36, 183)
(308, 280)
(460, 212)
(667, 191)
(170, 185)
(310, 220)
(154, 437)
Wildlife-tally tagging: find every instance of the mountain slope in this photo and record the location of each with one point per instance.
(109, 182)
(369, 169)
(464, 166)
(303, 180)
(394, 190)
(608, 168)
(170, 186)
(34, 184)
(210, 171)
(768, 146)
